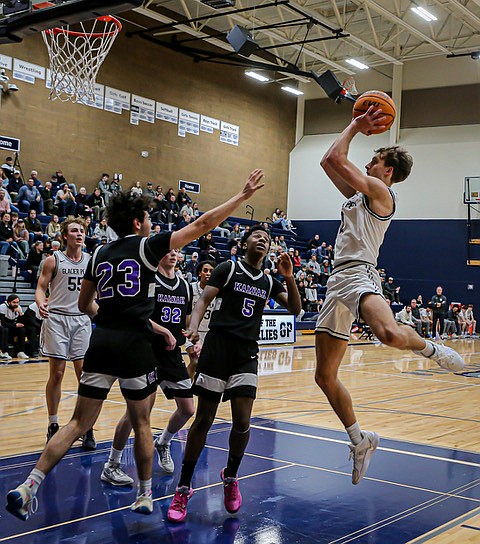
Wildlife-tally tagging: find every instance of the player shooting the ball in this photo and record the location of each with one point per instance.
(354, 289)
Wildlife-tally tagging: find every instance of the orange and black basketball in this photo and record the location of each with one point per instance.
(379, 100)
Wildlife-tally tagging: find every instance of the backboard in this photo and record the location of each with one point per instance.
(16, 26)
(471, 191)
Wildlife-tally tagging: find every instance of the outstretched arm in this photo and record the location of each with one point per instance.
(291, 299)
(211, 219)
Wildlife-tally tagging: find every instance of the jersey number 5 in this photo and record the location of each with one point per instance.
(128, 268)
(248, 305)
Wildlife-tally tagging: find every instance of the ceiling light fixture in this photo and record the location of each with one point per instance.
(423, 13)
(257, 76)
(292, 90)
(357, 64)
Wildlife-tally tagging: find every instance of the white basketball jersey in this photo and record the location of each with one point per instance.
(361, 231)
(197, 293)
(65, 284)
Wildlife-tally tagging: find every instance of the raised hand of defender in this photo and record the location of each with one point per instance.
(253, 183)
(285, 265)
(193, 336)
(371, 120)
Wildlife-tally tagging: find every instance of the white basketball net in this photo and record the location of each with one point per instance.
(76, 57)
(349, 85)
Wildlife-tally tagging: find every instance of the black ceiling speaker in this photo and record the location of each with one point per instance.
(241, 40)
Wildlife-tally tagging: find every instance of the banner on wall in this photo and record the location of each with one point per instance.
(26, 71)
(190, 186)
(116, 100)
(5, 62)
(277, 329)
(12, 144)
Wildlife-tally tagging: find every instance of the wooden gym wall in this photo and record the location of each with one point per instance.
(85, 141)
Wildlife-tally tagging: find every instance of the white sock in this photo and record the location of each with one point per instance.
(35, 478)
(144, 487)
(165, 437)
(53, 419)
(354, 433)
(115, 456)
(427, 351)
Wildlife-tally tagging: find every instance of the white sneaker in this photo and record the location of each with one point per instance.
(447, 358)
(22, 355)
(361, 455)
(113, 474)
(5, 357)
(164, 457)
(21, 502)
(143, 504)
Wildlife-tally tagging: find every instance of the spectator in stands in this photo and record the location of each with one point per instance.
(8, 167)
(303, 294)
(281, 242)
(100, 230)
(97, 204)
(83, 207)
(7, 242)
(303, 271)
(439, 305)
(184, 220)
(29, 198)
(329, 253)
(223, 229)
(462, 322)
(420, 323)
(233, 254)
(149, 191)
(4, 202)
(196, 210)
(53, 228)
(270, 263)
(322, 252)
(61, 181)
(426, 317)
(297, 261)
(155, 230)
(65, 201)
(391, 291)
(313, 243)
(404, 317)
(115, 186)
(451, 322)
(136, 190)
(171, 212)
(34, 227)
(55, 185)
(311, 292)
(14, 185)
(32, 264)
(33, 324)
(470, 319)
(191, 267)
(47, 197)
(325, 271)
(235, 235)
(207, 248)
(104, 186)
(314, 268)
(11, 315)
(183, 198)
(276, 215)
(34, 175)
(21, 236)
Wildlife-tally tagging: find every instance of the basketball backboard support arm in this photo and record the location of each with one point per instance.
(17, 27)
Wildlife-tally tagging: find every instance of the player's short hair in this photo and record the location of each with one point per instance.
(255, 228)
(65, 224)
(123, 209)
(200, 266)
(399, 158)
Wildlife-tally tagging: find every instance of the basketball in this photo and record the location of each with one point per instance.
(377, 99)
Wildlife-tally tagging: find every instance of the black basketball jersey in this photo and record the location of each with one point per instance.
(124, 273)
(173, 302)
(244, 291)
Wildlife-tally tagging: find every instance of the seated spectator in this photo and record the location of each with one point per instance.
(62, 181)
(470, 319)
(55, 185)
(104, 186)
(149, 191)
(405, 317)
(233, 254)
(33, 324)
(303, 294)
(191, 268)
(34, 228)
(276, 215)
(97, 204)
(65, 201)
(91, 241)
(270, 263)
(100, 230)
(314, 268)
(311, 292)
(223, 229)
(8, 167)
(391, 291)
(83, 207)
(53, 228)
(21, 236)
(34, 175)
(170, 212)
(462, 322)
(47, 197)
(313, 243)
(8, 246)
(297, 261)
(330, 254)
(422, 323)
(451, 322)
(196, 210)
(115, 186)
(207, 248)
(325, 271)
(282, 243)
(183, 198)
(303, 271)
(29, 198)
(235, 235)
(11, 317)
(156, 229)
(32, 263)
(14, 185)
(321, 252)
(136, 190)
(4, 202)
(185, 220)
(5, 357)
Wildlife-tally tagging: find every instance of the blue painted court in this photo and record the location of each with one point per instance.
(296, 485)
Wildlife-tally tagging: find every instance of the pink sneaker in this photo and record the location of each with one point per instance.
(178, 509)
(231, 492)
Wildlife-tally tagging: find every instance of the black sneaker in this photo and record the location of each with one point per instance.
(52, 429)
(88, 441)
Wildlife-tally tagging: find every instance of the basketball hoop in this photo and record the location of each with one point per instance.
(349, 85)
(76, 57)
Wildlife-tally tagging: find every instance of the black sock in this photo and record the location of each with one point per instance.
(187, 473)
(232, 466)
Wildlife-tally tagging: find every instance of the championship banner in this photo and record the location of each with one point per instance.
(277, 329)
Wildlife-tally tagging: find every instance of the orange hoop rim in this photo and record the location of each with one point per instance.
(76, 34)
